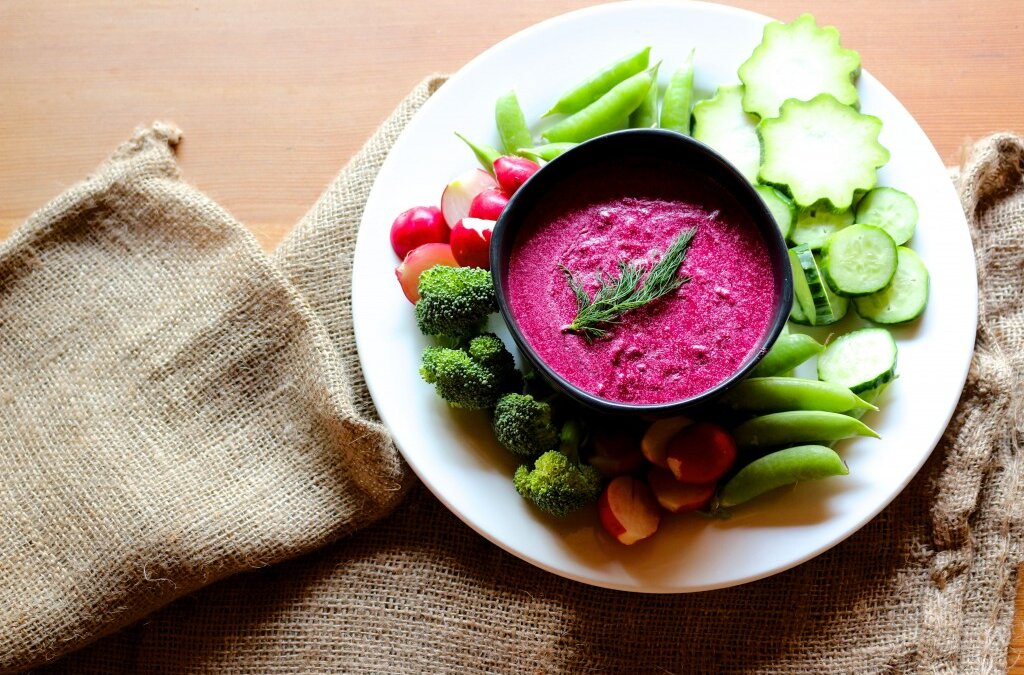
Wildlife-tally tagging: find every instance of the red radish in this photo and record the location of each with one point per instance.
(459, 194)
(615, 453)
(512, 172)
(419, 259)
(701, 453)
(488, 204)
(471, 242)
(628, 510)
(676, 497)
(654, 444)
(417, 226)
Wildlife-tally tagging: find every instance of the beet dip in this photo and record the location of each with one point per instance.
(675, 347)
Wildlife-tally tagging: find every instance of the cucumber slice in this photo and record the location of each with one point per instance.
(871, 396)
(814, 225)
(797, 316)
(821, 150)
(838, 304)
(781, 207)
(798, 60)
(809, 287)
(721, 123)
(859, 260)
(861, 360)
(892, 210)
(905, 297)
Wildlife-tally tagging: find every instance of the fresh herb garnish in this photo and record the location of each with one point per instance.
(617, 295)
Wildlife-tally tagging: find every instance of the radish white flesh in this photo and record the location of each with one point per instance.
(459, 194)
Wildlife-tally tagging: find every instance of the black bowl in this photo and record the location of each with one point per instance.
(658, 145)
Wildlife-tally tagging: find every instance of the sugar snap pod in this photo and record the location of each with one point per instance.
(784, 467)
(799, 426)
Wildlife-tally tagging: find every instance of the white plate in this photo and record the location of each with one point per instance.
(454, 453)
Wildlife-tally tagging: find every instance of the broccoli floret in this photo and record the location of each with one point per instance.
(559, 484)
(454, 301)
(473, 379)
(523, 425)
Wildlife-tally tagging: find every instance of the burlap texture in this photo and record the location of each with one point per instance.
(926, 586)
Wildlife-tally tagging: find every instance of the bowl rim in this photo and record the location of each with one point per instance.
(507, 227)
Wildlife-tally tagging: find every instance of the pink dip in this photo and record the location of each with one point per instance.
(675, 347)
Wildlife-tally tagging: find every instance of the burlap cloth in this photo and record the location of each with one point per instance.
(177, 407)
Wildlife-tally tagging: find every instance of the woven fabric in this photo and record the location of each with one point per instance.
(928, 585)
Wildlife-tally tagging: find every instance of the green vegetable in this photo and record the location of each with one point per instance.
(861, 360)
(809, 288)
(721, 123)
(799, 426)
(511, 124)
(605, 114)
(559, 483)
(485, 154)
(872, 396)
(523, 425)
(904, 298)
(780, 205)
(859, 260)
(454, 301)
(646, 114)
(792, 465)
(675, 107)
(473, 378)
(799, 61)
(546, 152)
(788, 352)
(594, 87)
(617, 295)
(792, 393)
(821, 151)
(892, 210)
(815, 224)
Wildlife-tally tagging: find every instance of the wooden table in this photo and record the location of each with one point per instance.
(275, 97)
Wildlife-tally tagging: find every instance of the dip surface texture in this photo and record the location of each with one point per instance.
(675, 347)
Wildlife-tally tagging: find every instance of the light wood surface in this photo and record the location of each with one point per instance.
(275, 97)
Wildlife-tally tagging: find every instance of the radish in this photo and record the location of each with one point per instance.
(488, 204)
(417, 226)
(701, 453)
(459, 194)
(655, 442)
(512, 172)
(676, 497)
(628, 511)
(471, 242)
(419, 259)
(615, 453)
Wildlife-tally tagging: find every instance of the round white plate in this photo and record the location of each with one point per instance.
(454, 452)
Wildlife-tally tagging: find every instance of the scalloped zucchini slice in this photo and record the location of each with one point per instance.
(798, 60)
(821, 151)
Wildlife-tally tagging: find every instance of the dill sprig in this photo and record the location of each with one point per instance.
(630, 289)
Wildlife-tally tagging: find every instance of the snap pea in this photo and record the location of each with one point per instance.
(600, 83)
(871, 396)
(546, 152)
(792, 465)
(799, 426)
(646, 114)
(793, 393)
(603, 115)
(788, 352)
(675, 108)
(485, 154)
(511, 122)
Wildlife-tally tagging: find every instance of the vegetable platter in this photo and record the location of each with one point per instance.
(454, 452)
